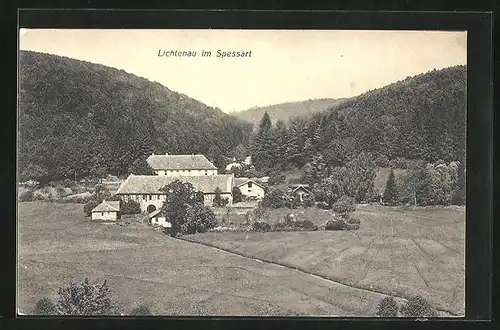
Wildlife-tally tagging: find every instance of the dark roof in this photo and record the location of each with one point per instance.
(108, 206)
(241, 181)
(151, 184)
(180, 162)
(156, 212)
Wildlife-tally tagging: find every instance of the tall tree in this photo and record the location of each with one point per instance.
(391, 192)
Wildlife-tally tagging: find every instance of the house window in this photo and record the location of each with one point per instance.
(206, 172)
(102, 213)
(145, 197)
(250, 185)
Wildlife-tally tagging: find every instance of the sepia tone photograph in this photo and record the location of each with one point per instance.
(241, 173)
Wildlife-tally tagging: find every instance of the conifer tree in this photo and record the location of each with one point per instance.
(293, 150)
(262, 143)
(390, 193)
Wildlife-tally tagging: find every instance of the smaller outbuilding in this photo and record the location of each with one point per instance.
(250, 187)
(106, 211)
(301, 191)
(158, 218)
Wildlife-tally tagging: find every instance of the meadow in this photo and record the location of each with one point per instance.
(400, 251)
(57, 245)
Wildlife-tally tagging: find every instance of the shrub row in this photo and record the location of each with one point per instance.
(342, 224)
(415, 307)
(288, 225)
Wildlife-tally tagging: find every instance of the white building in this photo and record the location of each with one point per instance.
(157, 217)
(145, 189)
(301, 191)
(250, 187)
(107, 211)
(181, 165)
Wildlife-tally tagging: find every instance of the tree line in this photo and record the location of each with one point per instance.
(420, 120)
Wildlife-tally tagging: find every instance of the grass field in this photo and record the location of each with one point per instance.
(398, 251)
(58, 245)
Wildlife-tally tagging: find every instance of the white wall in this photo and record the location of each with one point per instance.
(162, 221)
(209, 199)
(254, 191)
(186, 172)
(104, 216)
(155, 199)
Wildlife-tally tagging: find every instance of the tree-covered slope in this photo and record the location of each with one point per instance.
(421, 117)
(84, 118)
(287, 111)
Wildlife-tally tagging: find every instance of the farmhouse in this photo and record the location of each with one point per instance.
(181, 165)
(301, 191)
(251, 187)
(145, 189)
(107, 210)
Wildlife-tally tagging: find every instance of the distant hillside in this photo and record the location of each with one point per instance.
(84, 118)
(287, 111)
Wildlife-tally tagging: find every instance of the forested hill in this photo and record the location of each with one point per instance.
(422, 117)
(84, 118)
(287, 111)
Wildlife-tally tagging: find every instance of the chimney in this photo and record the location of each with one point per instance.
(166, 154)
(152, 154)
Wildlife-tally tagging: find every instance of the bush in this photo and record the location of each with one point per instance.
(45, 306)
(344, 205)
(306, 224)
(323, 206)
(418, 307)
(85, 298)
(90, 206)
(260, 213)
(185, 210)
(387, 307)
(218, 200)
(141, 310)
(130, 207)
(351, 226)
(274, 199)
(199, 220)
(353, 221)
(26, 196)
(339, 224)
(237, 195)
(308, 201)
(261, 226)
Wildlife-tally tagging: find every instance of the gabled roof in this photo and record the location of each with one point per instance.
(151, 184)
(154, 213)
(301, 187)
(180, 162)
(107, 206)
(241, 181)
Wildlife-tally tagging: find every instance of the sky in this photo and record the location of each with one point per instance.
(284, 66)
